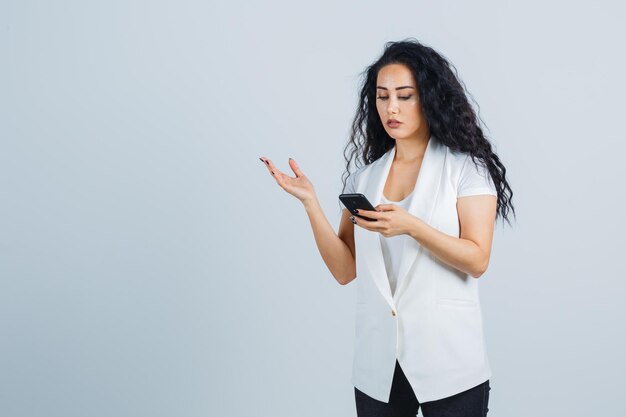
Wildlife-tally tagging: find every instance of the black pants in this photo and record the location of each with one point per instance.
(403, 403)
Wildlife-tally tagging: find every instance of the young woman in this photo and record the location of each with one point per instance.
(438, 188)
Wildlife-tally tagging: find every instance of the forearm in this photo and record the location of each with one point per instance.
(335, 253)
(462, 254)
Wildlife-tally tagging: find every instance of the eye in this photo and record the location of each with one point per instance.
(402, 98)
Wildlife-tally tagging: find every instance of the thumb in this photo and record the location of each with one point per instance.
(295, 168)
(384, 207)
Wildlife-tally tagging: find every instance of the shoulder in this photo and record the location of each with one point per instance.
(352, 181)
(473, 177)
(364, 170)
(360, 176)
(462, 164)
(354, 175)
(457, 158)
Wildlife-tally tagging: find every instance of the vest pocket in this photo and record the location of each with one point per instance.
(459, 337)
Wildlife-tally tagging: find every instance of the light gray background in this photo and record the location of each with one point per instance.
(150, 266)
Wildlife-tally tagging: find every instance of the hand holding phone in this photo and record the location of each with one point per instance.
(357, 201)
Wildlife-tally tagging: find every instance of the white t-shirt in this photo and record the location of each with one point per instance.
(473, 181)
(392, 246)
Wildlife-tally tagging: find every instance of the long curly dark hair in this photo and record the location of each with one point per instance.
(449, 115)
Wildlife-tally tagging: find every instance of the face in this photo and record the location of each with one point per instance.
(397, 98)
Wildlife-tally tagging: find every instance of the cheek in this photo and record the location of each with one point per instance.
(380, 109)
(415, 109)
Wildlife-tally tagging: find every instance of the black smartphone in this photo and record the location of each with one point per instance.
(357, 201)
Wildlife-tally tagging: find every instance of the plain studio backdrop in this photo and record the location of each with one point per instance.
(151, 266)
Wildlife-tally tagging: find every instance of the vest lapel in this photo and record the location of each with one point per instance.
(421, 204)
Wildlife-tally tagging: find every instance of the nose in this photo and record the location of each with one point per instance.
(392, 108)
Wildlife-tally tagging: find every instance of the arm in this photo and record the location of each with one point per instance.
(337, 250)
(470, 251)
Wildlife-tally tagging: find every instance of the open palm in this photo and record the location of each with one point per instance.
(298, 186)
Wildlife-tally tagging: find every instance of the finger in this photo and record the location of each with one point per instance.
(370, 225)
(271, 167)
(370, 213)
(360, 222)
(385, 207)
(266, 162)
(295, 168)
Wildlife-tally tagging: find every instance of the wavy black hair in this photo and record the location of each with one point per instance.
(449, 115)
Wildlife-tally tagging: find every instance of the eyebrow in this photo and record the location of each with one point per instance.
(398, 88)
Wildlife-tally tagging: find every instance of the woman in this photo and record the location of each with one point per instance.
(439, 188)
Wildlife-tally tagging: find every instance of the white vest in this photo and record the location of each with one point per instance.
(433, 322)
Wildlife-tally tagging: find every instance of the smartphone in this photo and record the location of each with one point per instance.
(357, 201)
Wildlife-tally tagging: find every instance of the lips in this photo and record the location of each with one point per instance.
(393, 123)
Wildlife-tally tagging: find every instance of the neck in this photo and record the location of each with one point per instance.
(411, 150)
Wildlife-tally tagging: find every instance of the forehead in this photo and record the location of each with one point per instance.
(394, 75)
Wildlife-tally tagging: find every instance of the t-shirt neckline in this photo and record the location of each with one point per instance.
(404, 199)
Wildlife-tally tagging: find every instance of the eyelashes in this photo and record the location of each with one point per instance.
(401, 98)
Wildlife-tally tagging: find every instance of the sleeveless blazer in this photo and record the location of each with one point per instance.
(432, 324)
